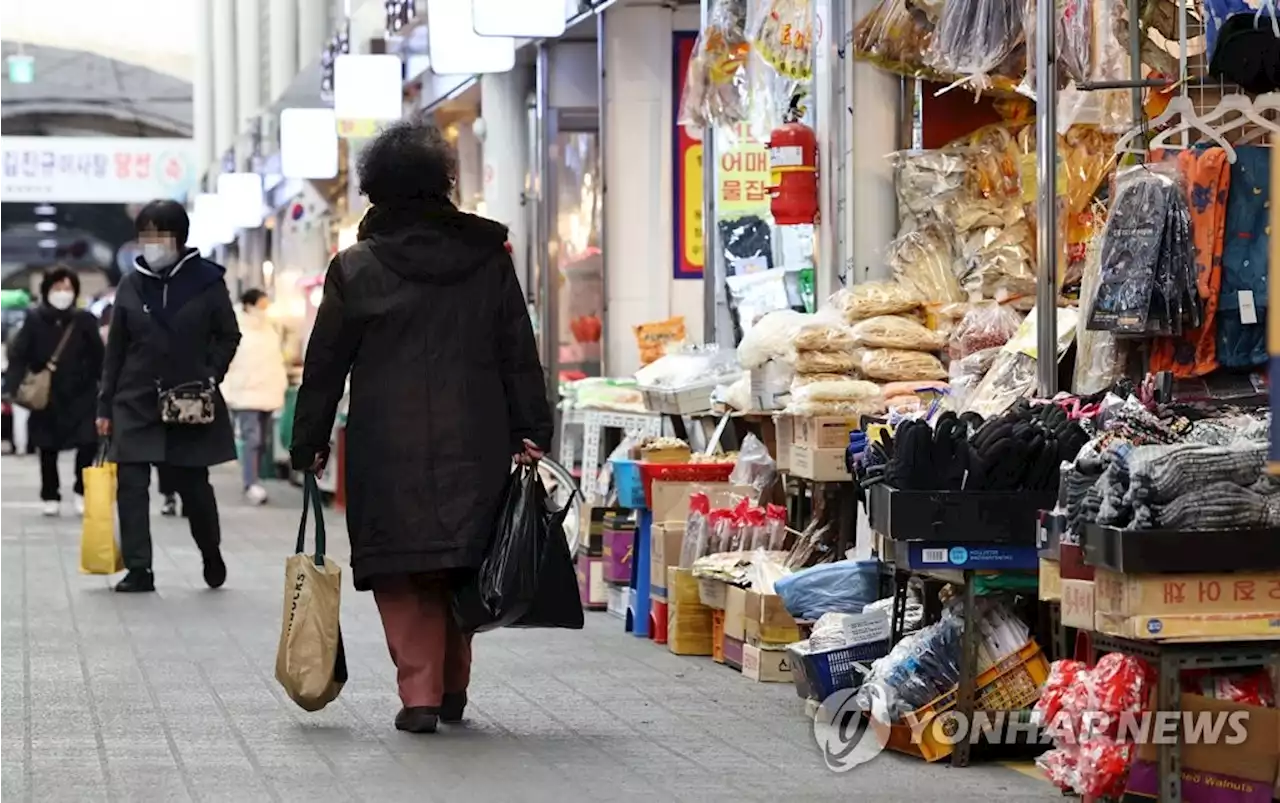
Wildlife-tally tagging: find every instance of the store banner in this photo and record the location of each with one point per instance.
(124, 170)
(686, 164)
(743, 178)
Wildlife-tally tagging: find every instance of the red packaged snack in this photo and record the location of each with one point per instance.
(695, 529)
(776, 527)
(753, 532)
(1103, 767)
(1245, 688)
(1059, 766)
(1062, 675)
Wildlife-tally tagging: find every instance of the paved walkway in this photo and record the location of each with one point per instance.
(171, 697)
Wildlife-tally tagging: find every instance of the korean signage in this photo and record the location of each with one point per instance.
(687, 168)
(95, 169)
(742, 178)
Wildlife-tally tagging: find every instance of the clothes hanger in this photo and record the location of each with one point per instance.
(1249, 116)
(1269, 101)
(1182, 106)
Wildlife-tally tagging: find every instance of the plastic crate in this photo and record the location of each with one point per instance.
(626, 478)
(1013, 683)
(682, 472)
(818, 675)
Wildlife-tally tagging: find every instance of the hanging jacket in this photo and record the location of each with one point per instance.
(257, 379)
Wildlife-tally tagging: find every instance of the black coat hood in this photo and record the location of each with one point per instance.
(433, 243)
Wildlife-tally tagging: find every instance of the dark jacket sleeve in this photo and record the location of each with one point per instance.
(330, 353)
(225, 332)
(113, 361)
(522, 376)
(94, 351)
(18, 354)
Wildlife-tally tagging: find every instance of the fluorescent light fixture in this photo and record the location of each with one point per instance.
(46, 210)
(368, 87)
(210, 222)
(308, 143)
(48, 243)
(521, 19)
(456, 48)
(46, 225)
(243, 200)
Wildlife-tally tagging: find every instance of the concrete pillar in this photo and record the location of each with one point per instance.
(202, 116)
(283, 46)
(638, 119)
(470, 165)
(248, 62)
(506, 149)
(225, 114)
(313, 30)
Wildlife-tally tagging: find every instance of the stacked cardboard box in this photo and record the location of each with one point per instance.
(1187, 606)
(767, 630)
(689, 630)
(818, 447)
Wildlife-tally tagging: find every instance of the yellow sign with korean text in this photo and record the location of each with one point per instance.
(742, 179)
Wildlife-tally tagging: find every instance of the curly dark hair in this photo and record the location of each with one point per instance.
(408, 161)
(56, 275)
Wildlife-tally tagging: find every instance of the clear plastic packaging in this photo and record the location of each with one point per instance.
(847, 390)
(869, 299)
(721, 526)
(781, 62)
(896, 332)
(895, 36)
(823, 336)
(773, 337)
(925, 259)
(924, 181)
(1011, 377)
(896, 365)
(821, 408)
(986, 325)
(974, 37)
(715, 90)
(753, 533)
(694, 544)
(825, 362)
(801, 380)
(755, 467)
(775, 528)
(1099, 361)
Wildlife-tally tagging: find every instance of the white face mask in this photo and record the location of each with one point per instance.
(159, 255)
(62, 299)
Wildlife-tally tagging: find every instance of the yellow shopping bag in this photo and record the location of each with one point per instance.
(99, 553)
(310, 662)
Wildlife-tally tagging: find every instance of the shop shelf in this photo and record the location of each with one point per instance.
(1182, 551)
(682, 472)
(626, 478)
(992, 517)
(1011, 684)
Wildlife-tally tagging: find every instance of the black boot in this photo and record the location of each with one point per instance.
(215, 571)
(137, 581)
(452, 706)
(419, 719)
(170, 506)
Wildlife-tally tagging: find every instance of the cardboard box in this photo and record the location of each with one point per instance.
(671, 499)
(825, 431)
(1078, 604)
(619, 555)
(784, 435)
(1191, 626)
(717, 636)
(1050, 580)
(765, 665)
(665, 542)
(735, 613)
(591, 586)
(1198, 786)
(1256, 758)
(822, 465)
(733, 648)
(713, 593)
(689, 629)
(682, 587)
(766, 621)
(1182, 594)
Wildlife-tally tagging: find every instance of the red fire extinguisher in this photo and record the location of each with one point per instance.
(793, 165)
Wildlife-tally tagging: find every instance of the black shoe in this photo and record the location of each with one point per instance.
(170, 507)
(215, 571)
(137, 581)
(452, 707)
(417, 720)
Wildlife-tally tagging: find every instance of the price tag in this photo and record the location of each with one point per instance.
(1248, 312)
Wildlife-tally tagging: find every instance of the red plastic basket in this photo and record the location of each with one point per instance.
(681, 472)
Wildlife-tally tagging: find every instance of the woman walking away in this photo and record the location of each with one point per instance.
(173, 334)
(64, 339)
(426, 314)
(255, 387)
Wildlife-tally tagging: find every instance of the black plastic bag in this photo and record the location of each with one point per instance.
(503, 588)
(556, 602)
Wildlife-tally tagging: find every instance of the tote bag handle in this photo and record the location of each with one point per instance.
(311, 494)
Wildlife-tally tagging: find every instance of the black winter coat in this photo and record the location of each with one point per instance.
(426, 314)
(67, 422)
(168, 328)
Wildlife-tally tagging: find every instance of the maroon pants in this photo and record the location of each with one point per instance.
(432, 656)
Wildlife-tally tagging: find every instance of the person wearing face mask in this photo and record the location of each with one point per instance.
(173, 333)
(255, 387)
(58, 335)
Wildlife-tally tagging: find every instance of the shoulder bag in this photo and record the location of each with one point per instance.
(37, 386)
(187, 404)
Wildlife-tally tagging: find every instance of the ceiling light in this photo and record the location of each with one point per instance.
(46, 225)
(46, 209)
(48, 243)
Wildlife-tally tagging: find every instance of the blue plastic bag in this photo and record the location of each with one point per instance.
(841, 587)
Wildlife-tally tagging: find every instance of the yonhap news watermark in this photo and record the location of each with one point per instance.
(849, 735)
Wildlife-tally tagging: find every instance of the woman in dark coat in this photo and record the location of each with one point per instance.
(67, 422)
(426, 314)
(173, 324)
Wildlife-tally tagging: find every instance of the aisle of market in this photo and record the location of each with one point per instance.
(170, 697)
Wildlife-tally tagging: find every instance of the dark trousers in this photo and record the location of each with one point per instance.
(133, 500)
(165, 474)
(50, 485)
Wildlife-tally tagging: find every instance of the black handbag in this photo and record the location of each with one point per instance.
(188, 404)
